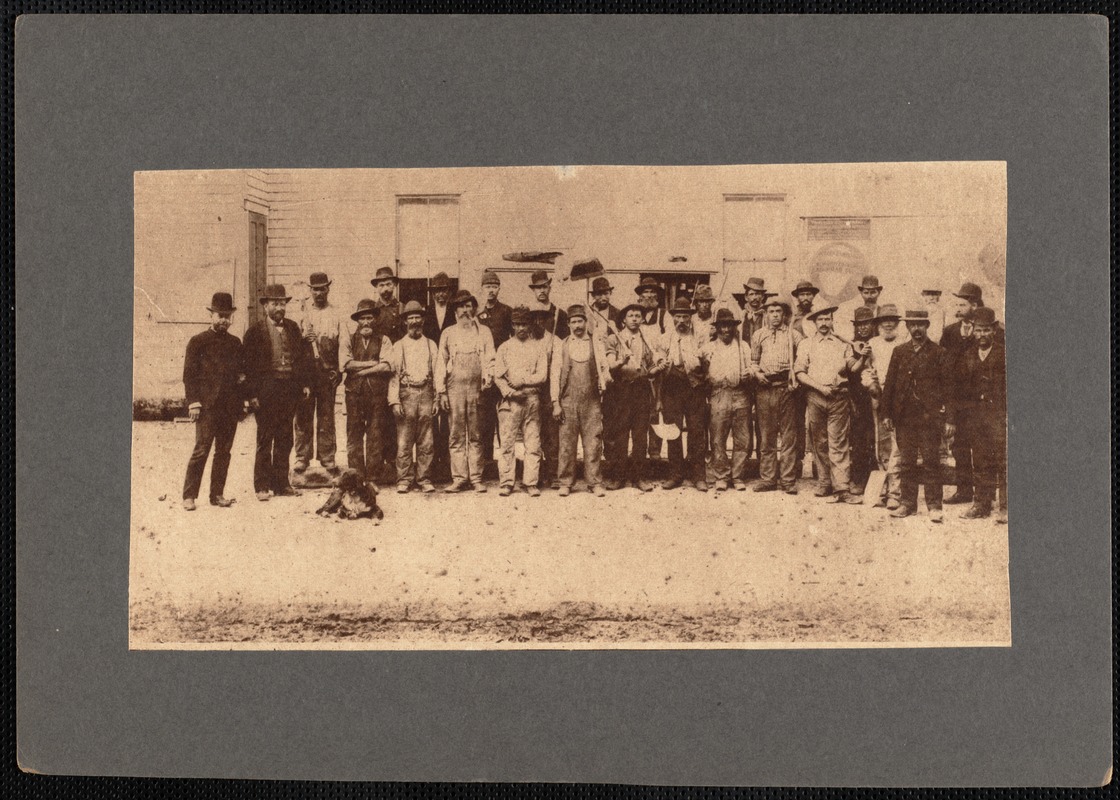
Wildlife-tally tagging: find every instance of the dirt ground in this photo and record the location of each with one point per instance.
(664, 569)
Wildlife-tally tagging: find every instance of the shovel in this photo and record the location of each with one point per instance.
(668, 432)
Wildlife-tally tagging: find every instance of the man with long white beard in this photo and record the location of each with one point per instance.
(890, 336)
(464, 368)
(412, 398)
(684, 399)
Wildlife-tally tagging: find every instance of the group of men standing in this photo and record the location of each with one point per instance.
(428, 387)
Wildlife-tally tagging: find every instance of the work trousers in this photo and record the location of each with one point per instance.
(862, 438)
(583, 421)
(488, 420)
(550, 438)
(888, 460)
(985, 429)
(631, 401)
(464, 437)
(830, 420)
(316, 414)
(441, 456)
(730, 415)
(777, 406)
(214, 427)
(919, 435)
(961, 448)
(520, 418)
(415, 430)
(367, 404)
(800, 412)
(278, 398)
(686, 407)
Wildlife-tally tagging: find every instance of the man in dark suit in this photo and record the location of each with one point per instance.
(438, 317)
(955, 340)
(916, 404)
(550, 318)
(212, 376)
(981, 384)
(278, 372)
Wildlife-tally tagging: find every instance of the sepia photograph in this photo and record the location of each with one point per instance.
(727, 406)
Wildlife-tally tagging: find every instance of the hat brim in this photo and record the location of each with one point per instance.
(365, 311)
(812, 316)
(264, 300)
(627, 309)
(639, 289)
(439, 287)
(916, 319)
(229, 310)
(690, 310)
(375, 281)
(811, 289)
(886, 317)
(319, 285)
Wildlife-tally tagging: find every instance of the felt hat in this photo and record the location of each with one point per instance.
(383, 274)
(870, 282)
(703, 292)
(725, 317)
(648, 282)
(812, 315)
(916, 315)
(490, 278)
(521, 316)
(626, 310)
(755, 284)
(970, 291)
(774, 301)
(539, 278)
(439, 281)
(365, 306)
(805, 286)
(462, 296)
(862, 314)
(275, 291)
(577, 310)
(681, 306)
(600, 285)
(221, 303)
(319, 280)
(984, 316)
(410, 308)
(888, 311)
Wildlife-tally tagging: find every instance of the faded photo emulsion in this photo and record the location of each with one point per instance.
(758, 406)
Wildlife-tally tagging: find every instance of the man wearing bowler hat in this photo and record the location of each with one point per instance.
(684, 398)
(322, 324)
(773, 350)
(438, 317)
(412, 398)
(552, 319)
(278, 373)
(603, 316)
(754, 313)
(498, 317)
(727, 361)
(917, 404)
(390, 321)
(464, 367)
(981, 402)
(368, 370)
(826, 365)
(213, 375)
(869, 291)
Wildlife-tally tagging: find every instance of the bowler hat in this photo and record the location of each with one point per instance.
(862, 314)
(221, 303)
(888, 311)
(539, 278)
(648, 282)
(724, 317)
(383, 274)
(600, 285)
(703, 292)
(410, 308)
(681, 306)
(577, 310)
(755, 284)
(984, 316)
(439, 281)
(365, 306)
(490, 278)
(812, 315)
(462, 296)
(275, 291)
(916, 315)
(870, 282)
(521, 316)
(805, 286)
(970, 291)
(318, 280)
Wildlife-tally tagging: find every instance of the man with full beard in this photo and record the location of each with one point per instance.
(368, 369)
(684, 399)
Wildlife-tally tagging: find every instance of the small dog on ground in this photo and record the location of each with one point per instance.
(352, 498)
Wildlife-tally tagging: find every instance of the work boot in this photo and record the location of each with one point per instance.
(644, 486)
(739, 486)
(427, 487)
(612, 484)
(457, 486)
(880, 503)
(288, 491)
(892, 504)
(936, 515)
(331, 467)
(977, 511)
(598, 491)
(671, 483)
(765, 487)
(1001, 516)
(959, 497)
(822, 491)
(480, 487)
(263, 496)
(300, 467)
(721, 486)
(534, 491)
(220, 501)
(791, 489)
(188, 504)
(565, 491)
(701, 485)
(505, 491)
(901, 511)
(402, 488)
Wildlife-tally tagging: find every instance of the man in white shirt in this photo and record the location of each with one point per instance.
(412, 399)
(520, 373)
(367, 367)
(727, 360)
(891, 335)
(321, 323)
(684, 399)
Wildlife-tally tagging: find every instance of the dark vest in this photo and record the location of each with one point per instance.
(361, 350)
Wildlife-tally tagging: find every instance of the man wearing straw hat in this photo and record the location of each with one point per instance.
(825, 364)
(212, 377)
(464, 368)
(322, 325)
(773, 349)
(520, 373)
(727, 361)
(916, 404)
(278, 373)
(412, 399)
(684, 399)
(366, 361)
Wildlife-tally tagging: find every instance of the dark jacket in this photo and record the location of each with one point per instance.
(753, 321)
(982, 384)
(432, 328)
(917, 385)
(955, 344)
(556, 322)
(499, 320)
(258, 355)
(213, 369)
(389, 321)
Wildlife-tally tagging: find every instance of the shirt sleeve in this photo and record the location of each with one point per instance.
(801, 363)
(347, 353)
(396, 361)
(501, 370)
(442, 357)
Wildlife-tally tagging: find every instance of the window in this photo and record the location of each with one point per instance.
(754, 227)
(838, 229)
(427, 236)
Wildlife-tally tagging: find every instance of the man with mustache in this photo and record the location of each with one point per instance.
(633, 396)
(464, 367)
(889, 337)
(412, 398)
(825, 365)
(520, 373)
(438, 317)
(862, 388)
(916, 405)
(728, 365)
(703, 324)
(754, 314)
(981, 383)
(368, 368)
(278, 374)
(684, 399)
(389, 323)
(213, 374)
(604, 316)
(869, 291)
(322, 326)
(772, 353)
(496, 316)
(804, 294)
(554, 320)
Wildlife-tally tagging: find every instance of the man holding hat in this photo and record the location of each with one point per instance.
(520, 374)
(321, 324)
(579, 375)
(553, 319)
(278, 372)
(684, 398)
(498, 317)
(368, 370)
(728, 364)
(916, 404)
(438, 317)
(981, 401)
(633, 397)
(826, 364)
(464, 367)
(412, 398)
(604, 316)
(773, 350)
(213, 374)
